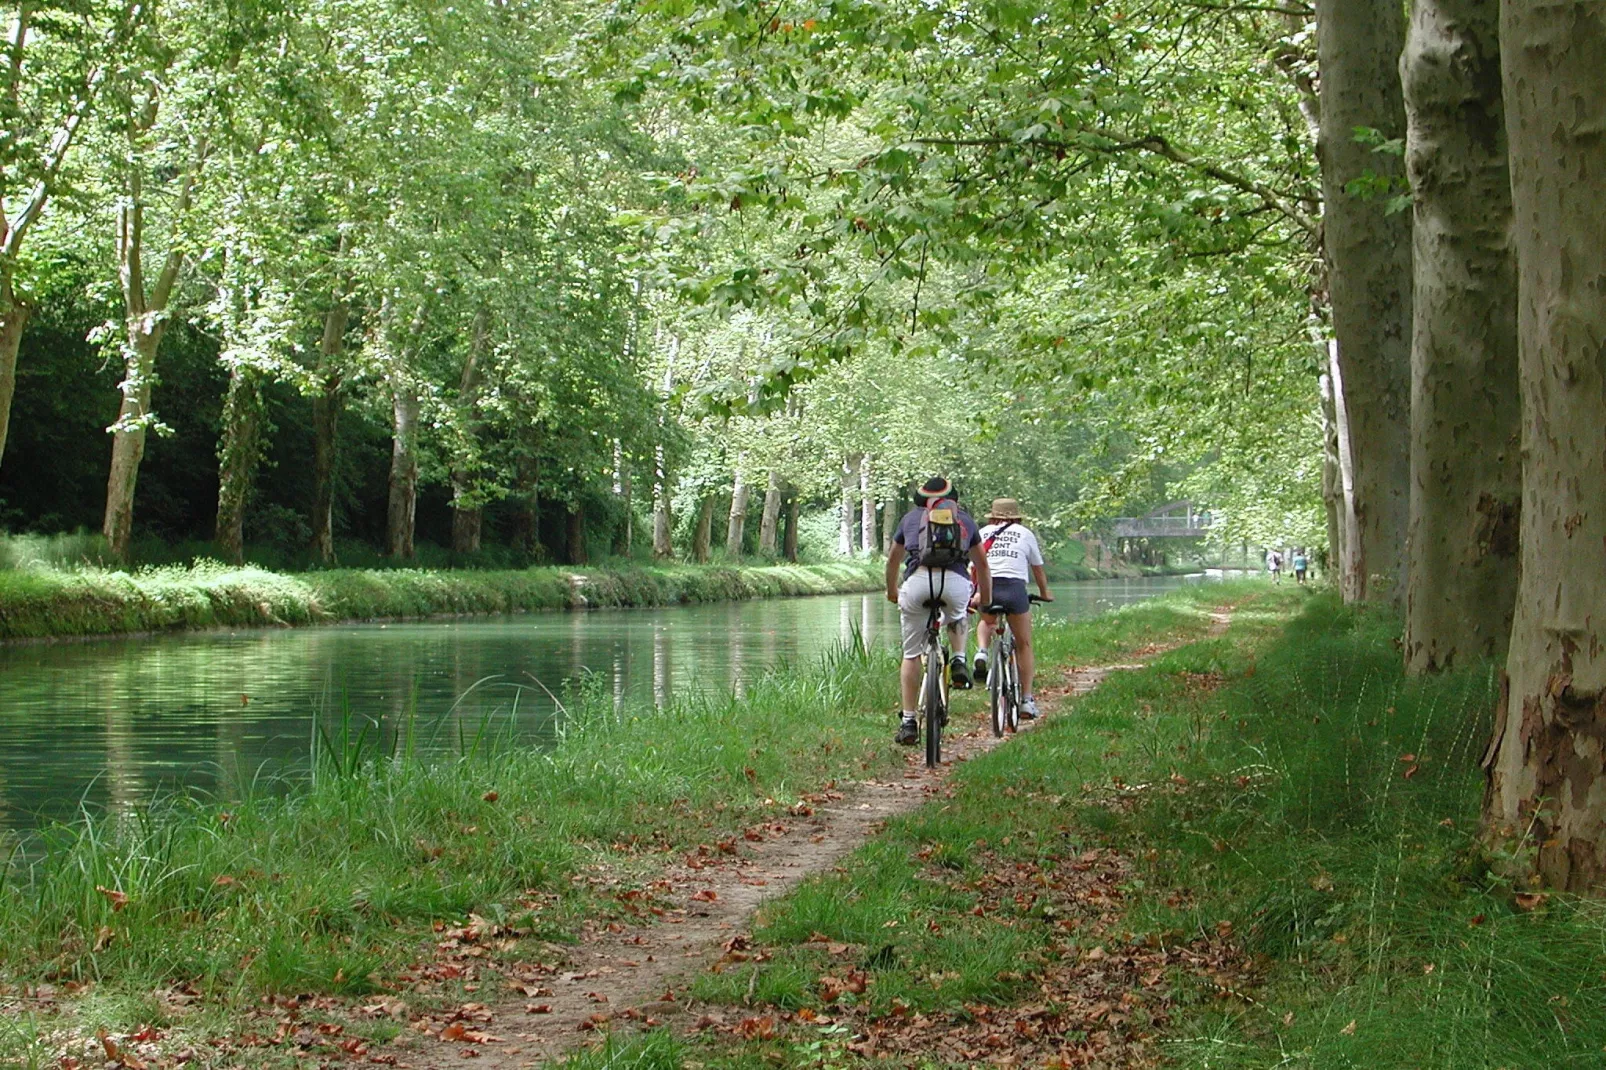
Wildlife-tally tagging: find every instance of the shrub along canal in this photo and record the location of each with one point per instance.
(111, 723)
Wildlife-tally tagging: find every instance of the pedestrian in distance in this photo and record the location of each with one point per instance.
(1301, 565)
(933, 553)
(1274, 565)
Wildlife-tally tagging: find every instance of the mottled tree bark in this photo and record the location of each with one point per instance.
(789, 542)
(891, 514)
(1332, 477)
(867, 541)
(326, 405)
(1369, 259)
(403, 504)
(1466, 477)
(1348, 522)
(769, 524)
(736, 530)
(846, 506)
(468, 514)
(128, 433)
(1546, 775)
(13, 320)
(239, 452)
(702, 535)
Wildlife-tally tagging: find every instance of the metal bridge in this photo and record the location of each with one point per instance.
(1176, 520)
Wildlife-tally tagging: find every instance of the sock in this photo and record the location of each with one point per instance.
(910, 715)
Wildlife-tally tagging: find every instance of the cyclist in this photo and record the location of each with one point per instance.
(947, 583)
(1012, 553)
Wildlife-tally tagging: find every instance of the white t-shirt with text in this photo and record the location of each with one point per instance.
(1014, 549)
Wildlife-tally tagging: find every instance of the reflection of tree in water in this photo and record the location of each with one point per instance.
(662, 662)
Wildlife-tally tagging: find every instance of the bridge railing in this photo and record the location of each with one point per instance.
(1159, 527)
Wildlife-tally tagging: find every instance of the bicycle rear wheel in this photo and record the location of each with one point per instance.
(934, 706)
(995, 685)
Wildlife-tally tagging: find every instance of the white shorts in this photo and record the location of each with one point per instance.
(952, 592)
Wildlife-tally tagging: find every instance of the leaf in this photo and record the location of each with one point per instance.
(117, 899)
(1349, 1030)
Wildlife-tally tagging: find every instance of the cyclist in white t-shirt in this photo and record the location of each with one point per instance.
(1012, 555)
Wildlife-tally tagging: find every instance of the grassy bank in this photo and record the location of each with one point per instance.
(1258, 852)
(48, 602)
(337, 886)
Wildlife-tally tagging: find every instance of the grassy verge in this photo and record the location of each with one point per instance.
(186, 916)
(46, 602)
(1282, 831)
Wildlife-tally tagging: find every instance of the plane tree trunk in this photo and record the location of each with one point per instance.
(1466, 477)
(770, 522)
(239, 453)
(1369, 260)
(702, 534)
(1546, 788)
(789, 542)
(402, 509)
(326, 404)
(468, 512)
(736, 530)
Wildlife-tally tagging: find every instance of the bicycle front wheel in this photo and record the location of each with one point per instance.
(934, 704)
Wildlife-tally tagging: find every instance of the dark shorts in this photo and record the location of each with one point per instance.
(1011, 594)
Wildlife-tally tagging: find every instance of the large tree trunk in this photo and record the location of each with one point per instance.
(789, 542)
(702, 535)
(736, 530)
(239, 452)
(13, 319)
(770, 522)
(128, 433)
(1546, 780)
(403, 504)
(1466, 476)
(867, 541)
(1369, 257)
(891, 515)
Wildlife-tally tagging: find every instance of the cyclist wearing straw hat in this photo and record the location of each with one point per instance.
(1012, 554)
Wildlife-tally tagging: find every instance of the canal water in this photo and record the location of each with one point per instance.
(112, 723)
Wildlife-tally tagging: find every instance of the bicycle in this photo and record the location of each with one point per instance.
(1003, 673)
(934, 683)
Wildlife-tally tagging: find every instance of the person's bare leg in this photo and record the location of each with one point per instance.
(1025, 657)
(909, 679)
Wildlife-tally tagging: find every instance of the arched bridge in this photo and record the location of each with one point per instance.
(1176, 520)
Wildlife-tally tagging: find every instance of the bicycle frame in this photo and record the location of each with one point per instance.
(934, 684)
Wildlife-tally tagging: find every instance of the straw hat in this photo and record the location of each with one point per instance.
(1004, 509)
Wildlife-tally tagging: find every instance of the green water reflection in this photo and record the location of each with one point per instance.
(110, 723)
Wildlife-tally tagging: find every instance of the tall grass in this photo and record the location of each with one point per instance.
(332, 885)
(1330, 815)
(40, 601)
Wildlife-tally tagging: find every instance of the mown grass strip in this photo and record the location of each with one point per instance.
(48, 602)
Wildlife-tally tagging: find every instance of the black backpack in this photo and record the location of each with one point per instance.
(942, 537)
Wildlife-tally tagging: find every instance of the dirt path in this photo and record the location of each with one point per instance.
(622, 976)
